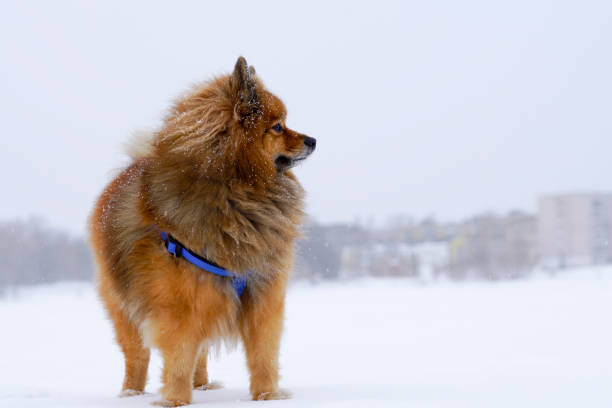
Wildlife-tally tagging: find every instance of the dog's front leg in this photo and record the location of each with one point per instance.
(261, 329)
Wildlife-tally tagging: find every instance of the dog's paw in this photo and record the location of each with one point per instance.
(129, 393)
(280, 394)
(214, 385)
(168, 403)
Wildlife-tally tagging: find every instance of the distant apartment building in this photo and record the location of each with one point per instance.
(575, 229)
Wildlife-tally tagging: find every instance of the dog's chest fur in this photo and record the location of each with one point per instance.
(237, 226)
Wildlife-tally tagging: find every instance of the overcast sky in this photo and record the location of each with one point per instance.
(427, 108)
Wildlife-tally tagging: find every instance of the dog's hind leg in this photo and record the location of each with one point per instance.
(200, 376)
(136, 355)
(179, 345)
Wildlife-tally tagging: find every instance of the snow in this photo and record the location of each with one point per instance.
(542, 342)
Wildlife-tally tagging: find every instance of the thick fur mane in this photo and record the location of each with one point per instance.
(197, 121)
(202, 183)
(236, 225)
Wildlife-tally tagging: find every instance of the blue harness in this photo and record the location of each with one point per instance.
(179, 251)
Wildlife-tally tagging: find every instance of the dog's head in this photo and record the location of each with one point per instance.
(260, 118)
(232, 128)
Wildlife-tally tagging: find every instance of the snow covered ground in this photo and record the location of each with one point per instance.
(373, 343)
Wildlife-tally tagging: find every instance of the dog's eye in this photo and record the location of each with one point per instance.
(277, 128)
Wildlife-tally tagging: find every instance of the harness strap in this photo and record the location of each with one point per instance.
(179, 251)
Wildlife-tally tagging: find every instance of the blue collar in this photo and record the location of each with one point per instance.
(179, 251)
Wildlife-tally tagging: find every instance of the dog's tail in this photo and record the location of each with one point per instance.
(140, 144)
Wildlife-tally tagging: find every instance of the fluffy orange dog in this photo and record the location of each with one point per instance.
(216, 178)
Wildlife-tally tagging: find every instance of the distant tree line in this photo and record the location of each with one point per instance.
(486, 246)
(318, 253)
(482, 247)
(494, 247)
(33, 253)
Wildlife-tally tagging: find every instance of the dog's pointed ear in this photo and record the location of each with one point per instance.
(245, 88)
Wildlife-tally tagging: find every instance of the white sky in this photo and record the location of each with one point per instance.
(429, 108)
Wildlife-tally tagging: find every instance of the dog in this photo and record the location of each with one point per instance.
(211, 191)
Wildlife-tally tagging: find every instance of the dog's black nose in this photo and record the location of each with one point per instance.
(310, 142)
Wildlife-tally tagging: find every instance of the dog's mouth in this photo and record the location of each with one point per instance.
(284, 162)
